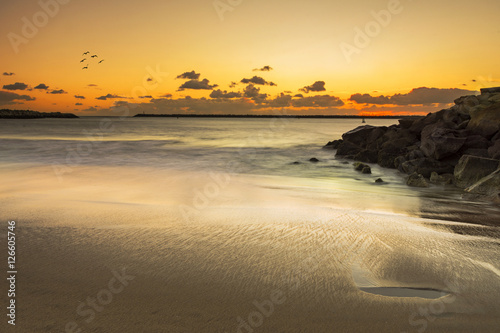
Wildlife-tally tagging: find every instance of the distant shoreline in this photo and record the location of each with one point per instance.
(28, 114)
(266, 116)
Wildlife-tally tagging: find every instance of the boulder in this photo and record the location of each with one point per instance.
(444, 179)
(494, 151)
(430, 119)
(348, 148)
(359, 136)
(425, 166)
(417, 180)
(493, 90)
(439, 141)
(379, 181)
(314, 160)
(486, 121)
(358, 166)
(367, 155)
(367, 170)
(333, 144)
(477, 152)
(476, 141)
(489, 185)
(471, 169)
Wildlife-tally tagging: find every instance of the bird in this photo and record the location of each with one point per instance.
(94, 56)
(100, 61)
(86, 67)
(86, 53)
(83, 60)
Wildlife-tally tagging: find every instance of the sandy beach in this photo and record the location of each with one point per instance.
(258, 257)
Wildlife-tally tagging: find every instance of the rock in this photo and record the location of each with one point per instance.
(477, 152)
(295, 163)
(358, 166)
(494, 151)
(476, 141)
(444, 179)
(314, 160)
(379, 180)
(425, 166)
(486, 121)
(430, 119)
(439, 141)
(333, 144)
(493, 90)
(398, 163)
(489, 185)
(367, 155)
(360, 135)
(348, 148)
(471, 169)
(417, 180)
(407, 122)
(367, 170)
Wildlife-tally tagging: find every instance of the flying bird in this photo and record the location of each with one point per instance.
(94, 56)
(83, 60)
(86, 53)
(100, 61)
(86, 67)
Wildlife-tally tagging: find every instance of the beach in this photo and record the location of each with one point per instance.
(146, 245)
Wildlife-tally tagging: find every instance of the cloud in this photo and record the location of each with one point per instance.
(57, 92)
(233, 84)
(78, 104)
(258, 80)
(41, 86)
(147, 96)
(316, 86)
(108, 96)
(298, 95)
(166, 95)
(417, 96)
(16, 86)
(283, 100)
(79, 97)
(263, 69)
(91, 109)
(224, 94)
(189, 75)
(318, 101)
(7, 97)
(8, 74)
(253, 92)
(197, 85)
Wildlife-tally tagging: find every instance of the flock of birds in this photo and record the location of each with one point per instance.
(92, 56)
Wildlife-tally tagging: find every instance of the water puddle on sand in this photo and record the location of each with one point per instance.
(368, 284)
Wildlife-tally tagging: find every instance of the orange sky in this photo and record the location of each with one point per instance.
(371, 48)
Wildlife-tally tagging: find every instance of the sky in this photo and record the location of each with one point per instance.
(363, 57)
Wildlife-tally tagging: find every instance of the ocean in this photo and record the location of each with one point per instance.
(225, 225)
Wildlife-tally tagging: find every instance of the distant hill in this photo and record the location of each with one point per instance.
(27, 114)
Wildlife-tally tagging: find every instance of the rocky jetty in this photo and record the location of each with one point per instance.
(459, 145)
(26, 114)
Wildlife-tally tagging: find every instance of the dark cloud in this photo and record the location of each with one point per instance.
(57, 92)
(166, 95)
(263, 69)
(8, 74)
(224, 94)
(108, 96)
(189, 75)
(233, 84)
(79, 97)
(7, 97)
(318, 101)
(78, 104)
(281, 101)
(16, 86)
(92, 85)
(418, 96)
(298, 95)
(197, 85)
(149, 79)
(91, 109)
(258, 80)
(42, 86)
(147, 96)
(316, 86)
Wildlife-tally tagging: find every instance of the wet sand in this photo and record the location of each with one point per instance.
(257, 257)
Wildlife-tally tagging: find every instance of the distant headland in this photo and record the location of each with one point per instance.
(267, 116)
(27, 114)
